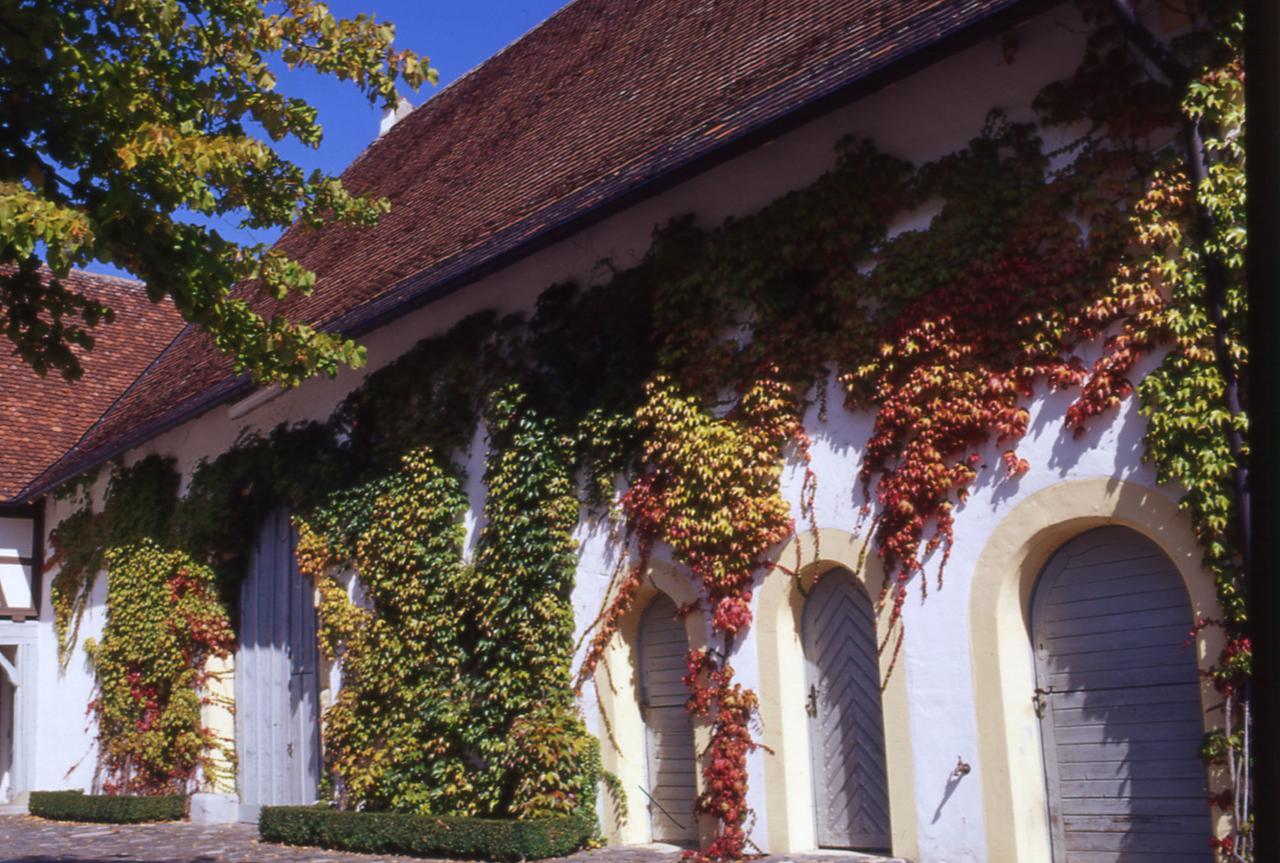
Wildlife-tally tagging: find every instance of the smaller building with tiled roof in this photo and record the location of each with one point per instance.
(42, 417)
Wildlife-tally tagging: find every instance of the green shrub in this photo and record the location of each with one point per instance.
(425, 835)
(78, 806)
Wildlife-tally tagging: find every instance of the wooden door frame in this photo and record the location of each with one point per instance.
(1048, 740)
(616, 688)
(645, 718)
(788, 792)
(810, 680)
(249, 811)
(811, 674)
(1003, 666)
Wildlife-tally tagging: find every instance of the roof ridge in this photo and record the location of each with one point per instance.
(456, 82)
(9, 266)
(111, 277)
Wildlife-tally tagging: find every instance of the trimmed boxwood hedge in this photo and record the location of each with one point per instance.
(424, 835)
(78, 806)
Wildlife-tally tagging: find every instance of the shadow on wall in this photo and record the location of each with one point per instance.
(959, 772)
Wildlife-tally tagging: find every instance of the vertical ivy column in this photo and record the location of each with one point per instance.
(525, 566)
(164, 622)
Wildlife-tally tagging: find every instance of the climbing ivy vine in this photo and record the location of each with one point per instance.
(688, 376)
(163, 622)
(455, 695)
(397, 733)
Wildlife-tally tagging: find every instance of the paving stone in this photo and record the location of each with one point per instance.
(26, 839)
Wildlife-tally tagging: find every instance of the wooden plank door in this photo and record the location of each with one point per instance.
(670, 755)
(846, 720)
(277, 681)
(1119, 695)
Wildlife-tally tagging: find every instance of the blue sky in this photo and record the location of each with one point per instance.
(457, 35)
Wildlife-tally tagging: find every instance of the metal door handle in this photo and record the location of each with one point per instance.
(811, 703)
(1038, 701)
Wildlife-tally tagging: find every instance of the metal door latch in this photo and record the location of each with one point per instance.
(1039, 702)
(811, 703)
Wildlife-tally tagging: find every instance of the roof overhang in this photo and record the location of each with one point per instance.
(793, 102)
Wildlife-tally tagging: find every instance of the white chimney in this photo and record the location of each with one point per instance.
(391, 116)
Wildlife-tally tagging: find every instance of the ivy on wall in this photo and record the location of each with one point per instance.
(688, 375)
(396, 733)
(455, 695)
(140, 508)
(520, 660)
(164, 620)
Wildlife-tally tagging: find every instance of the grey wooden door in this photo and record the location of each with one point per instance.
(1119, 696)
(846, 720)
(277, 681)
(670, 757)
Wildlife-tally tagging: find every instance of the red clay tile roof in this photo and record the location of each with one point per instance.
(42, 418)
(604, 102)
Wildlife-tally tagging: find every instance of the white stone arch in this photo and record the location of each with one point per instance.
(1011, 765)
(789, 791)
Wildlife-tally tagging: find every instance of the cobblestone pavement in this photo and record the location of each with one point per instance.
(24, 839)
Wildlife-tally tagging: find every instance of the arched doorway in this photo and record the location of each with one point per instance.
(669, 747)
(846, 718)
(1118, 696)
(277, 681)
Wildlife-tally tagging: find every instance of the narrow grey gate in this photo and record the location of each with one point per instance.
(18, 667)
(672, 768)
(846, 720)
(1119, 698)
(277, 684)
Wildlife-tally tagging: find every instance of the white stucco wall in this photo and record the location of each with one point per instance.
(65, 745)
(925, 116)
(17, 536)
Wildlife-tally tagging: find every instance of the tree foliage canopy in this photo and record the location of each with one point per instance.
(124, 121)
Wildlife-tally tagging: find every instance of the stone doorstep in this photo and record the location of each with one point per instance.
(207, 808)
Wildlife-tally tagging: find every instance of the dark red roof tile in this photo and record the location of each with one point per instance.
(603, 99)
(42, 418)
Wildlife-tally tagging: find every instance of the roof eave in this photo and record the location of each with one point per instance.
(765, 118)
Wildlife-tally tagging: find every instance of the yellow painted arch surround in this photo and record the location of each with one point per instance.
(1011, 766)
(789, 795)
(623, 751)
